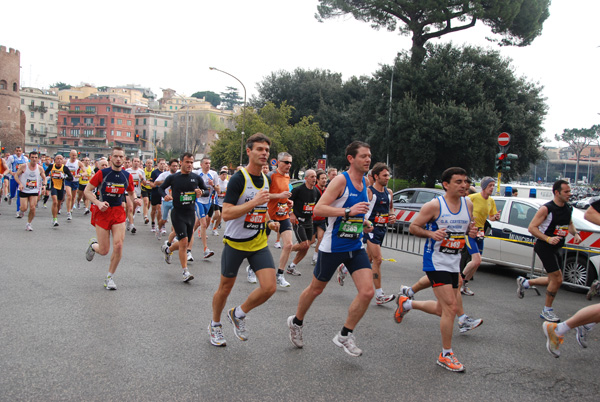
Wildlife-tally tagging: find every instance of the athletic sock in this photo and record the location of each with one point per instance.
(407, 305)
(346, 331)
(297, 321)
(109, 275)
(562, 329)
(411, 292)
(526, 284)
(446, 352)
(548, 308)
(279, 271)
(378, 292)
(292, 265)
(462, 318)
(215, 324)
(239, 313)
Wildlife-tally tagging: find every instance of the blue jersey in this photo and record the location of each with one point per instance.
(14, 162)
(381, 207)
(345, 235)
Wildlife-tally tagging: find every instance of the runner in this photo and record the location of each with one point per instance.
(222, 183)
(137, 173)
(279, 206)
(445, 222)
(550, 225)
(155, 198)
(4, 179)
(108, 215)
(304, 198)
(245, 211)
(71, 185)
(381, 212)
(85, 174)
(31, 179)
(319, 222)
(166, 206)
(186, 187)
(58, 173)
(14, 161)
(345, 203)
(146, 188)
(203, 205)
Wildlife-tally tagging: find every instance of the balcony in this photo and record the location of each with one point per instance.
(41, 109)
(95, 136)
(37, 132)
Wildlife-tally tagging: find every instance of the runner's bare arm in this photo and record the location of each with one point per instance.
(428, 212)
(231, 211)
(537, 220)
(334, 191)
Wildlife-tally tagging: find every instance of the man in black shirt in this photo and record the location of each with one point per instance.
(185, 188)
(305, 198)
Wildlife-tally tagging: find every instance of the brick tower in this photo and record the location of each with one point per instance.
(11, 122)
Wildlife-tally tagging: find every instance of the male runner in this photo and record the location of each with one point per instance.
(585, 319)
(108, 215)
(71, 185)
(245, 211)
(58, 173)
(146, 188)
(203, 203)
(319, 222)
(445, 221)
(31, 179)
(85, 174)
(155, 198)
(279, 206)
(550, 225)
(304, 197)
(345, 203)
(484, 207)
(331, 174)
(137, 173)
(382, 213)
(4, 179)
(166, 206)
(186, 187)
(222, 183)
(14, 161)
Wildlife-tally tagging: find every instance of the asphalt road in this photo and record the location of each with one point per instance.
(64, 337)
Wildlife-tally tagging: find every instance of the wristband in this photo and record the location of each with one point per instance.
(548, 239)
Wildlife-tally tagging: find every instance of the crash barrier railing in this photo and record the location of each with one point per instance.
(398, 238)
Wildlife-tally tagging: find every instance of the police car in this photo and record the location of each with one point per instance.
(509, 243)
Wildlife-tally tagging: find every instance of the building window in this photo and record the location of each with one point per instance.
(120, 121)
(41, 116)
(76, 144)
(155, 122)
(112, 120)
(129, 122)
(171, 107)
(166, 123)
(51, 117)
(42, 103)
(52, 105)
(2, 84)
(144, 122)
(108, 108)
(31, 127)
(32, 114)
(118, 133)
(77, 108)
(137, 121)
(22, 100)
(102, 122)
(90, 108)
(15, 87)
(32, 103)
(129, 134)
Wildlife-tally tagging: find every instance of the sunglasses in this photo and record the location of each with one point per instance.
(286, 162)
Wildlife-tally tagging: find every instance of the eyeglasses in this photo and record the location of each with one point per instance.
(286, 162)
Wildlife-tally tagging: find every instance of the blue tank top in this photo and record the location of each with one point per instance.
(345, 235)
(381, 210)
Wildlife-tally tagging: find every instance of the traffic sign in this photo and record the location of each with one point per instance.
(503, 139)
(274, 162)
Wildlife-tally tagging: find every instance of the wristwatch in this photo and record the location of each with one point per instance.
(347, 213)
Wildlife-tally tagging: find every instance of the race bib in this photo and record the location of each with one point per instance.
(255, 219)
(31, 183)
(561, 231)
(351, 228)
(56, 174)
(187, 197)
(453, 243)
(381, 219)
(281, 209)
(114, 188)
(308, 208)
(480, 233)
(136, 182)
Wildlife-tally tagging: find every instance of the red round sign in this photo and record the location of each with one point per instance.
(503, 139)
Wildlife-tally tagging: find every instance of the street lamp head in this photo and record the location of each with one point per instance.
(212, 68)
(325, 135)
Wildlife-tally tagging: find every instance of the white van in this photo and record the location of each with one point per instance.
(543, 193)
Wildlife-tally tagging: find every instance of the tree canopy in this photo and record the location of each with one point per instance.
(209, 96)
(518, 22)
(578, 140)
(60, 86)
(230, 98)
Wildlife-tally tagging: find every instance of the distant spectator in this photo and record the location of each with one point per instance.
(515, 192)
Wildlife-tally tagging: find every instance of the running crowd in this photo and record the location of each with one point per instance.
(346, 215)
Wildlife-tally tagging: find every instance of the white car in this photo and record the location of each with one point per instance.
(509, 243)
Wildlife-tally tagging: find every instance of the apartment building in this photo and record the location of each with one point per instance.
(40, 108)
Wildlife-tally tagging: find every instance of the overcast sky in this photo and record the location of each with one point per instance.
(172, 45)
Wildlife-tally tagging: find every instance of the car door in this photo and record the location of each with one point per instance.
(518, 247)
(492, 242)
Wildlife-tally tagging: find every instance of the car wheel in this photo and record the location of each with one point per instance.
(577, 271)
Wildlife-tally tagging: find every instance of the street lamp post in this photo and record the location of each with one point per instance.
(326, 136)
(243, 111)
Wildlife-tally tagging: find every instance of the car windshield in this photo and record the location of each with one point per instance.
(581, 223)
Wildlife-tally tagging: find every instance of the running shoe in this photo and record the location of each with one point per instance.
(549, 315)
(90, 253)
(163, 231)
(215, 233)
(138, 210)
(404, 291)
(190, 257)
(55, 222)
(239, 325)
(314, 259)
(45, 206)
(469, 324)
(464, 289)
(59, 211)
(581, 333)
(187, 276)
(348, 343)
(133, 229)
(168, 256)
(277, 244)
(400, 312)
(216, 335)
(341, 275)
(282, 282)
(553, 341)
(69, 216)
(293, 271)
(594, 289)
(86, 212)
(208, 253)
(153, 228)
(127, 225)
(5, 198)
(10, 201)
(520, 287)
(19, 216)
(450, 362)
(251, 274)
(28, 227)
(146, 220)
(295, 333)
(109, 284)
(158, 234)
(77, 206)
(383, 299)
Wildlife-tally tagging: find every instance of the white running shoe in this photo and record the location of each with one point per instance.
(292, 270)
(314, 259)
(216, 335)
(208, 253)
(90, 253)
(215, 233)
(295, 333)
(109, 284)
(282, 282)
(348, 343)
(190, 258)
(187, 276)
(69, 216)
(277, 244)
(168, 256)
(28, 227)
(251, 274)
(384, 299)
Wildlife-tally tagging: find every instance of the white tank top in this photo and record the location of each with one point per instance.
(73, 167)
(31, 180)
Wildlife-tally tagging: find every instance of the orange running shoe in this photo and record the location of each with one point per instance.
(400, 312)
(451, 363)
(553, 341)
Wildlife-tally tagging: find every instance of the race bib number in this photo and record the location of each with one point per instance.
(187, 198)
(381, 219)
(255, 219)
(281, 209)
(561, 231)
(56, 174)
(85, 177)
(136, 182)
(114, 188)
(308, 208)
(350, 229)
(453, 243)
(31, 184)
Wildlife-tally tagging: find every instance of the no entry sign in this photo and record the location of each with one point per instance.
(503, 139)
